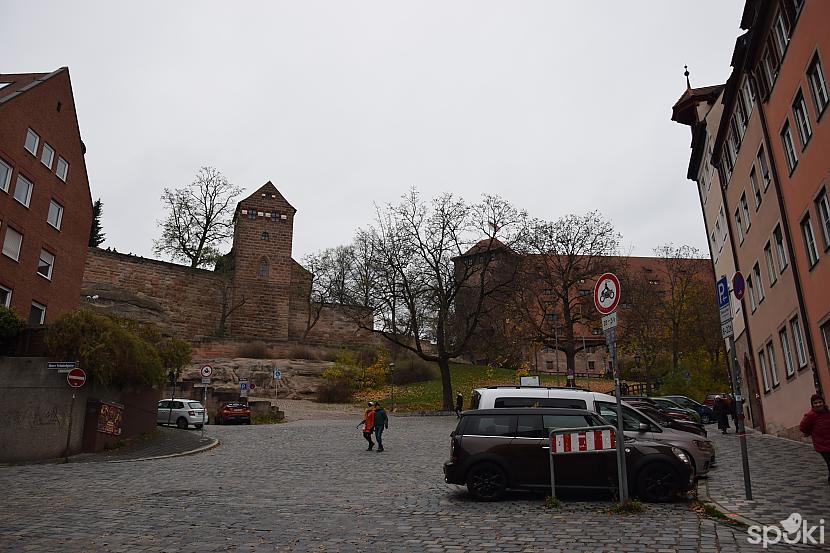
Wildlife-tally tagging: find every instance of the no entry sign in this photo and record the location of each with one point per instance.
(76, 377)
(607, 293)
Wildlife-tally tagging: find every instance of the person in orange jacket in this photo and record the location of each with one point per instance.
(368, 423)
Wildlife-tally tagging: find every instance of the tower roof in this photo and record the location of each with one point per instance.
(267, 196)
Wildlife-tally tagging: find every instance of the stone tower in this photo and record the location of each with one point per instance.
(262, 264)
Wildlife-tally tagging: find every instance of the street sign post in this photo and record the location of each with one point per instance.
(607, 292)
(243, 387)
(62, 365)
(738, 285)
(725, 307)
(76, 377)
(206, 371)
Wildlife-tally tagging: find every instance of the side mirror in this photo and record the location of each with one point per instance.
(643, 427)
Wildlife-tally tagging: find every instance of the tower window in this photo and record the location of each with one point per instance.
(263, 268)
(251, 214)
(264, 236)
(275, 216)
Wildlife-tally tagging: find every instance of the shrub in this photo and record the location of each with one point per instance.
(414, 370)
(11, 325)
(334, 390)
(254, 350)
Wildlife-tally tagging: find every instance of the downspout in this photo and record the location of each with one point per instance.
(805, 329)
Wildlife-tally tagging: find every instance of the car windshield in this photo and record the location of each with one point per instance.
(682, 401)
(195, 405)
(631, 418)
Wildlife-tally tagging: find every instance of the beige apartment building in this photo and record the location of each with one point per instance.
(747, 135)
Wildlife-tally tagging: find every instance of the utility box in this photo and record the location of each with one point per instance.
(102, 425)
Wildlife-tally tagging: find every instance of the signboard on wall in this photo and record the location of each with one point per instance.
(110, 416)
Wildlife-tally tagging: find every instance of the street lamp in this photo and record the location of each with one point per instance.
(392, 381)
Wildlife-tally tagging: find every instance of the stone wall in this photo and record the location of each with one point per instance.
(186, 301)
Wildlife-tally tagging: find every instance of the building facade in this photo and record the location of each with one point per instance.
(755, 135)
(45, 203)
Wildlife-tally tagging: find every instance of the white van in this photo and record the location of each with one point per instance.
(635, 423)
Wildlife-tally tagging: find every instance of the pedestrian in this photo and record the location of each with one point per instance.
(459, 404)
(381, 423)
(816, 424)
(733, 411)
(368, 423)
(721, 411)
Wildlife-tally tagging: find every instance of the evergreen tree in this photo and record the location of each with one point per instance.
(96, 237)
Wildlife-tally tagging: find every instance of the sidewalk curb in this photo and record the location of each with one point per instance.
(703, 495)
(207, 447)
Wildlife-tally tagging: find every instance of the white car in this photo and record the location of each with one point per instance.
(181, 412)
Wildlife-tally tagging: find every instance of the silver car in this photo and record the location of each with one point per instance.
(182, 413)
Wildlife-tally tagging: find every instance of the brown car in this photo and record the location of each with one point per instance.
(496, 449)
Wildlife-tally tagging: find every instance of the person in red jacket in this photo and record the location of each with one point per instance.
(816, 424)
(368, 423)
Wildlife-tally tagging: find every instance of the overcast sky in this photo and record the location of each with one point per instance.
(559, 107)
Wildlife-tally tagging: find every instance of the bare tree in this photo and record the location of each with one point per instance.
(422, 264)
(199, 218)
(329, 281)
(554, 289)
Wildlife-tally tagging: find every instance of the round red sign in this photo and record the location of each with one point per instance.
(607, 293)
(76, 377)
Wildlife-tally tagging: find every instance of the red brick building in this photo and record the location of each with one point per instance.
(45, 203)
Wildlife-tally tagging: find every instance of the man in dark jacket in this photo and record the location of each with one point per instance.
(721, 412)
(381, 423)
(816, 424)
(459, 404)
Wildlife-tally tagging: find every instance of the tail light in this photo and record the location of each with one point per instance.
(192, 413)
(453, 449)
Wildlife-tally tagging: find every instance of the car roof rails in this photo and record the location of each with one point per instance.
(577, 388)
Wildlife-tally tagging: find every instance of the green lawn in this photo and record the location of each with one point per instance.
(426, 396)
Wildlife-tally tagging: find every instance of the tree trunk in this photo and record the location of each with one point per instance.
(446, 383)
(570, 360)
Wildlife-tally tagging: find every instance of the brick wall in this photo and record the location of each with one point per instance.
(187, 301)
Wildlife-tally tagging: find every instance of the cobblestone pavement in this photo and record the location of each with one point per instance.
(166, 441)
(311, 486)
(787, 477)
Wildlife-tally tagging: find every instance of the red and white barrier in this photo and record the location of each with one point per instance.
(583, 441)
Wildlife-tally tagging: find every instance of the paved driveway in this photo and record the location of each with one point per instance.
(311, 486)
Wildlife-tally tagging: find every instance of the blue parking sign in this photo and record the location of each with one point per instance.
(723, 292)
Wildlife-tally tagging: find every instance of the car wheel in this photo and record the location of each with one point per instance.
(181, 422)
(247, 421)
(486, 482)
(658, 483)
(705, 418)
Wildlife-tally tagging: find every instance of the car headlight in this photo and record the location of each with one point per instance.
(680, 454)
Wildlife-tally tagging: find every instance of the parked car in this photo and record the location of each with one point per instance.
(663, 419)
(635, 424)
(706, 413)
(181, 412)
(669, 404)
(233, 412)
(492, 450)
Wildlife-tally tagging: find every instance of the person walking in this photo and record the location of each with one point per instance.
(368, 423)
(459, 404)
(381, 423)
(816, 424)
(721, 412)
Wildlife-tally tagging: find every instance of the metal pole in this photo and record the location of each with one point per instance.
(204, 413)
(550, 456)
(621, 471)
(172, 397)
(739, 412)
(69, 431)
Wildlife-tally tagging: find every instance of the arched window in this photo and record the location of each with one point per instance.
(263, 268)
(264, 236)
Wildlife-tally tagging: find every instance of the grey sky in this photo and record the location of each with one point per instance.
(557, 106)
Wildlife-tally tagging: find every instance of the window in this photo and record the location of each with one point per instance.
(823, 210)
(749, 97)
(5, 296)
(62, 168)
(492, 425)
(773, 274)
(631, 418)
(802, 120)
(32, 140)
(798, 338)
(548, 365)
(770, 64)
(759, 284)
(741, 113)
(786, 352)
(47, 156)
(45, 264)
(789, 147)
(721, 217)
(23, 190)
(275, 215)
(264, 236)
(756, 190)
(5, 175)
(762, 163)
(55, 215)
(780, 31)
(745, 209)
(809, 241)
(772, 368)
(751, 289)
(513, 402)
(251, 214)
(592, 366)
(584, 292)
(739, 226)
(818, 86)
(552, 316)
(764, 371)
(263, 268)
(12, 243)
(779, 248)
(37, 314)
(825, 334)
